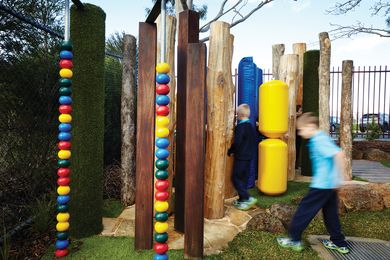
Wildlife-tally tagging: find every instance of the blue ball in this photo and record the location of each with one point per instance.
(65, 100)
(162, 142)
(162, 153)
(65, 127)
(67, 55)
(160, 257)
(162, 100)
(64, 136)
(63, 199)
(62, 244)
(162, 78)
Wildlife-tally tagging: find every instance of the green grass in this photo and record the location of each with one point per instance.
(112, 208)
(357, 178)
(386, 163)
(295, 191)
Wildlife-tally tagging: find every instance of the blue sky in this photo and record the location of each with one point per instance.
(283, 21)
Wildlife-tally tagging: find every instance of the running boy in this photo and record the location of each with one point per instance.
(243, 148)
(327, 166)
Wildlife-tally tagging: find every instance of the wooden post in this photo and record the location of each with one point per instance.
(324, 82)
(289, 73)
(277, 52)
(219, 82)
(195, 155)
(145, 136)
(128, 121)
(300, 49)
(346, 117)
(170, 59)
(188, 33)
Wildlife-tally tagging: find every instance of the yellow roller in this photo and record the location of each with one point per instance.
(272, 167)
(273, 104)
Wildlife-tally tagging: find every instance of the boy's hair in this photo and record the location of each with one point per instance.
(243, 110)
(306, 119)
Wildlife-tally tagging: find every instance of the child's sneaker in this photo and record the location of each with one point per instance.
(288, 243)
(241, 205)
(251, 201)
(330, 245)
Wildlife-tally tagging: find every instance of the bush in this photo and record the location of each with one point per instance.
(43, 212)
(5, 247)
(373, 132)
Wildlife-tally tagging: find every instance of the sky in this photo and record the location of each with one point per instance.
(282, 21)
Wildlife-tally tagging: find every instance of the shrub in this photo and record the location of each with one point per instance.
(373, 131)
(43, 212)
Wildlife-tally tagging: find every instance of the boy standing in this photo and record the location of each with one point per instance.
(243, 148)
(327, 165)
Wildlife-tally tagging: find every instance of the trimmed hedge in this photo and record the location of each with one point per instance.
(311, 61)
(88, 37)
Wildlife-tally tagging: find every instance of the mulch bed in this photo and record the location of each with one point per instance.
(364, 145)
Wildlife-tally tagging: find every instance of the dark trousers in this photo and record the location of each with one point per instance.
(240, 178)
(298, 140)
(316, 199)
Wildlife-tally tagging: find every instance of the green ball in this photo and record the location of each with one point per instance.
(66, 46)
(65, 91)
(63, 163)
(162, 164)
(62, 235)
(64, 82)
(161, 216)
(62, 208)
(161, 237)
(161, 175)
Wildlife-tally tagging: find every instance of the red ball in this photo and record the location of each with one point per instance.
(61, 252)
(66, 64)
(160, 248)
(162, 89)
(162, 110)
(63, 145)
(63, 181)
(65, 109)
(162, 185)
(161, 195)
(63, 172)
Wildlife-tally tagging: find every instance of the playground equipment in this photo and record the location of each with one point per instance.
(273, 114)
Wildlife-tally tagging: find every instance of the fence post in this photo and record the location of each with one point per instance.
(300, 49)
(324, 82)
(277, 52)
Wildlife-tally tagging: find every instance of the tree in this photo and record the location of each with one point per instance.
(378, 7)
(171, 8)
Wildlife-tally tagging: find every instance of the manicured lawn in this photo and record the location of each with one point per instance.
(112, 208)
(386, 163)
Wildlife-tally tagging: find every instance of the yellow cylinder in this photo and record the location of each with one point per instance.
(273, 104)
(272, 167)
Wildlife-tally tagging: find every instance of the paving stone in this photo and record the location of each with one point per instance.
(219, 234)
(128, 213)
(237, 217)
(125, 228)
(110, 225)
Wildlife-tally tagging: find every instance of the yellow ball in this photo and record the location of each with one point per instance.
(161, 206)
(62, 226)
(162, 121)
(65, 118)
(66, 73)
(162, 68)
(161, 227)
(63, 217)
(63, 190)
(64, 154)
(162, 132)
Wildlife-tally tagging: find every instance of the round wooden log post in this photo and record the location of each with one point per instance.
(300, 49)
(324, 82)
(219, 82)
(277, 52)
(346, 117)
(289, 73)
(128, 121)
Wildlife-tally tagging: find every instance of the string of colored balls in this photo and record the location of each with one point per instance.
(162, 153)
(64, 153)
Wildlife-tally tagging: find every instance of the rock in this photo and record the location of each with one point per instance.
(384, 191)
(264, 221)
(283, 212)
(373, 154)
(357, 154)
(237, 217)
(357, 197)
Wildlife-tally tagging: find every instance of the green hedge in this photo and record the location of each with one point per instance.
(88, 37)
(311, 61)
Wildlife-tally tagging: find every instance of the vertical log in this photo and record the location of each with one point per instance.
(195, 155)
(289, 73)
(128, 121)
(324, 82)
(300, 49)
(219, 80)
(188, 33)
(346, 117)
(277, 52)
(145, 136)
